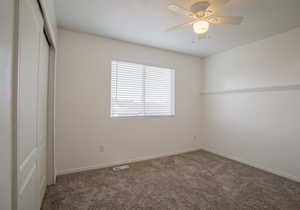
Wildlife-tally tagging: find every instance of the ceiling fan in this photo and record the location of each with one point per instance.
(204, 13)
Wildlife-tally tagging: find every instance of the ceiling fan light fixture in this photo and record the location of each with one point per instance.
(201, 27)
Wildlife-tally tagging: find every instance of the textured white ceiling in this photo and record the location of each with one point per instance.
(145, 22)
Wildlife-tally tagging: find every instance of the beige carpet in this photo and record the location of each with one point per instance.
(196, 180)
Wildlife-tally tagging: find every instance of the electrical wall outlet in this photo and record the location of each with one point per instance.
(101, 148)
(194, 138)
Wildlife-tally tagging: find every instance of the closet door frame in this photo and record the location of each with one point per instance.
(50, 35)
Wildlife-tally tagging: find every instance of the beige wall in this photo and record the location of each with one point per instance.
(256, 122)
(6, 104)
(261, 126)
(83, 120)
(270, 62)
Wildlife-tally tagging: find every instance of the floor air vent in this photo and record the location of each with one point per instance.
(123, 167)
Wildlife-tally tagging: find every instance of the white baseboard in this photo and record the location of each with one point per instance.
(121, 162)
(255, 165)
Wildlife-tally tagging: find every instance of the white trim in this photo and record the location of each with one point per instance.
(27, 179)
(50, 31)
(133, 160)
(121, 162)
(51, 175)
(42, 183)
(51, 36)
(255, 165)
(173, 92)
(256, 89)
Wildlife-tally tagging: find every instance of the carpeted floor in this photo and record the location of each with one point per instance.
(195, 180)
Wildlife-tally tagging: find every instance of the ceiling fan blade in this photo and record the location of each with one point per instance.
(211, 11)
(219, 2)
(182, 25)
(179, 10)
(236, 20)
(188, 3)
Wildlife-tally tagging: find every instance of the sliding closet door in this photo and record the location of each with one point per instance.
(42, 120)
(30, 33)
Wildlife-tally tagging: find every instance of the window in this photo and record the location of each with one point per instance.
(139, 90)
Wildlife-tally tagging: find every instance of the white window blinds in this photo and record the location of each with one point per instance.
(139, 90)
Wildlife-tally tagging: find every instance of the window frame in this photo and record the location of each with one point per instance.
(172, 94)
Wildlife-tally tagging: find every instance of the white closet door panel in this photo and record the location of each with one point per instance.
(43, 90)
(28, 196)
(30, 30)
(42, 123)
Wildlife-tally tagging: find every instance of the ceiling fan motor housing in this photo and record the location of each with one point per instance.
(199, 6)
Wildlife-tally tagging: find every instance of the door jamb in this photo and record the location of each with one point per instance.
(51, 170)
